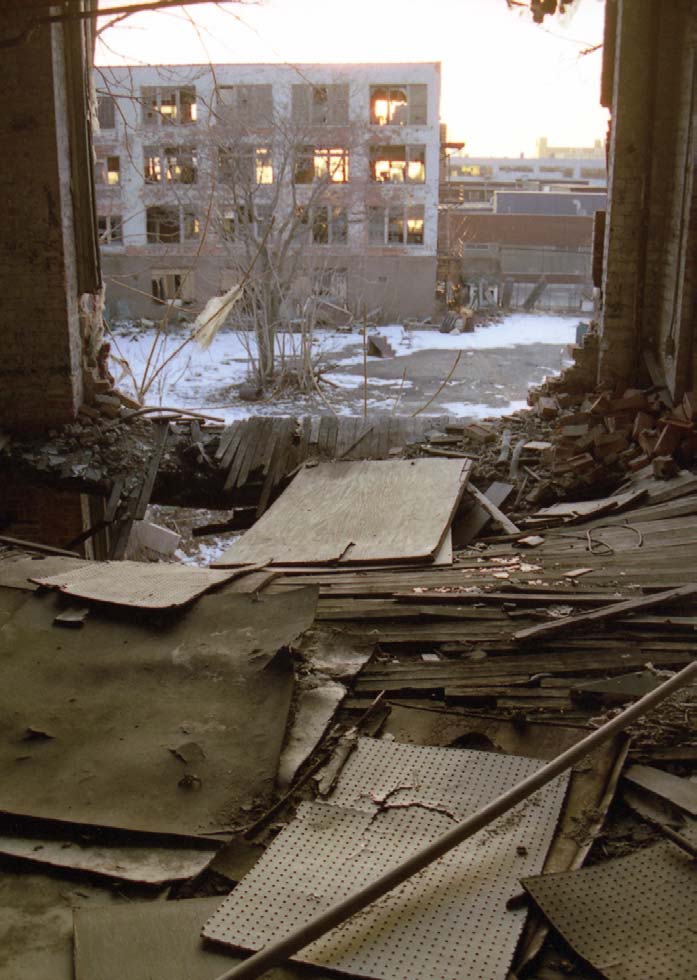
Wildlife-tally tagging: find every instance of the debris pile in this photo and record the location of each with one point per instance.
(383, 653)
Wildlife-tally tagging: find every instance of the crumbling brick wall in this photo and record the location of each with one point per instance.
(648, 281)
(45, 331)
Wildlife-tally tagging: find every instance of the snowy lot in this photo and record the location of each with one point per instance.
(499, 362)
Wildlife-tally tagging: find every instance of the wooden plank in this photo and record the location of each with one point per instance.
(381, 511)
(680, 792)
(138, 502)
(466, 528)
(332, 436)
(383, 437)
(265, 434)
(243, 448)
(323, 440)
(356, 447)
(225, 440)
(314, 429)
(493, 511)
(151, 472)
(239, 429)
(608, 612)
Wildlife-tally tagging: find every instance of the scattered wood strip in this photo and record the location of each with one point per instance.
(493, 511)
(608, 612)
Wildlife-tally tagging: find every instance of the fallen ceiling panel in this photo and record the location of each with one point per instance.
(146, 863)
(147, 940)
(173, 727)
(450, 922)
(368, 511)
(631, 918)
(156, 585)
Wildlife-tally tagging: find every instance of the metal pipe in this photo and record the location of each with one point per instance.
(280, 950)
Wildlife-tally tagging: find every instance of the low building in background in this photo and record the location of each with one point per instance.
(324, 177)
(516, 261)
(518, 233)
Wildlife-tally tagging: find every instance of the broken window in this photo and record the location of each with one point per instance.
(171, 285)
(332, 164)
(152, 164)
(169, 106)
(304, 165)
(263, 165)
(415, 225)
(108, 171)
(398, 164)
(106, 111)
(241, 222)
(396, 225)
(175, 164)
(320, 105)
(262, 218)
(245, 165)
(398, 105)
(113, 170)
(162, 225)
(329, 225)
(181, 164)
(110, 229)
(317, 163)
(190, 224)
(245, 105)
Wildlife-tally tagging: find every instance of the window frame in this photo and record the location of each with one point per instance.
(179, 97)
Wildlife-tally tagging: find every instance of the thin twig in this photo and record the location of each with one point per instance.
(365, 363)
(440, 388)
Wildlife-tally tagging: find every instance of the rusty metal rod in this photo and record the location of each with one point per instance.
(280, 950)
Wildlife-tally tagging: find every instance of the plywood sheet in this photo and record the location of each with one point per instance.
(369, 511)
(631, 918)
(146, 585)
(173, 729)
(450, 921)
(16, 569)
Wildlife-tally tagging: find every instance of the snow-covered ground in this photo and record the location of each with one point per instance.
(208, 380)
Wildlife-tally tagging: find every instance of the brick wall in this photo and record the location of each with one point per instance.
(42, 514)
(651, 234)
(40, 347)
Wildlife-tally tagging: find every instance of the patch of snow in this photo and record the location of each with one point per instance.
(207, 551)
(478, 410)
(514, 330)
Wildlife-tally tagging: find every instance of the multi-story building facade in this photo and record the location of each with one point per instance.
(203, 171)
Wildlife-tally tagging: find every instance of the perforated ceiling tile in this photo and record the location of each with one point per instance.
(449, 922)
(457, 779)
(633, 918)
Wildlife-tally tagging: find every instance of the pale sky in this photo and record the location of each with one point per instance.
(505, 80)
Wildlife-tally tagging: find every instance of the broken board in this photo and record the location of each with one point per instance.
(392, 800)
(172, 727)
(134, 583)
(368, 511)
(147, 940)
(631, 918)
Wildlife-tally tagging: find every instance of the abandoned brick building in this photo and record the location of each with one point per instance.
(212, 699)
(255, 140)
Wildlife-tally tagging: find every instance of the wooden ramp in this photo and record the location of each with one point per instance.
(357, 512)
